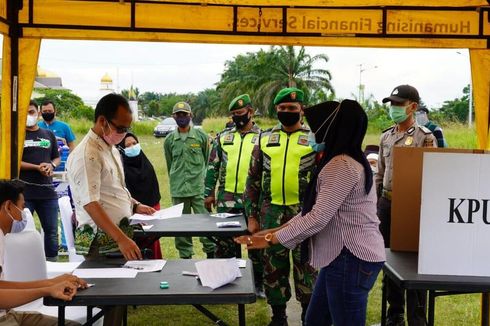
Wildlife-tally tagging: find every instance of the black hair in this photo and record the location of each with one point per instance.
(108, 105)
(10, 190)
(33, 103)
(48, 102)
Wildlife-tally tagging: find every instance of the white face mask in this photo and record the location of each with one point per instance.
(31, 120)
(421, 118)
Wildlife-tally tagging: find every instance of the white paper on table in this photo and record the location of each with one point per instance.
(166, 213)
(147, 227)
(57, 268)
(105, 272)
(215, 273)
(242, 263)
(145, 266)
(232, 224)
(224, 215)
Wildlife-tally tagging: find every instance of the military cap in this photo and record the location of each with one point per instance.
(240, 102)
(182, 107)
(290, 94)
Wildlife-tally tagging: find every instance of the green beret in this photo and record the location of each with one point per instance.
(239, 102)
(290, 94)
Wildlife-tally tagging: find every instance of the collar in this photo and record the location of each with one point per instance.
(409, 131)
(278, 127)
(92, 135)
(255, 129)
(192, 133)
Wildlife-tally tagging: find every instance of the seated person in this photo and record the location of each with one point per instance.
(14, 294)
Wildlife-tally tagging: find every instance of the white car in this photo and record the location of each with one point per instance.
(165, 127)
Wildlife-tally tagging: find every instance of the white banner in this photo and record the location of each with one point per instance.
(455, 217)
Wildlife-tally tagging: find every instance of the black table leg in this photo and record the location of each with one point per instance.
(383, 304)
(241, 315)
(61, 316)
(125, 316)
(238, 249)
(89, 315)
(485, 301)
(431, 307)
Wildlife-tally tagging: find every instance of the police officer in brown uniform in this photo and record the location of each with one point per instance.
(404, 100)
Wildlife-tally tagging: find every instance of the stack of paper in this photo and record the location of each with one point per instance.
(144, 266)
(171, 212)
(217, 272)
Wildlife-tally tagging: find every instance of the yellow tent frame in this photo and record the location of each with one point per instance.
(351, 23)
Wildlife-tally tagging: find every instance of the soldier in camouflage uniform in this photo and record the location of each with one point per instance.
(282, 162)
(228, 164)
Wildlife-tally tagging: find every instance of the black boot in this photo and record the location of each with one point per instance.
(279, 317)
(304, 308)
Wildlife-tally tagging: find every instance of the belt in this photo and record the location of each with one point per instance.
(386, 194)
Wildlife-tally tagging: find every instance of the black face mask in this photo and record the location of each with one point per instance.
(241, 120)
(48, 116)
(288, 119)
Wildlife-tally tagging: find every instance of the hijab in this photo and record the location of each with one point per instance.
(342, 127)
(140, 176)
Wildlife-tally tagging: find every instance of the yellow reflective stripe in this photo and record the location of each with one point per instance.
(285, 167)
(238, 160)
(244, 164)
(232, 152)
(292, 168)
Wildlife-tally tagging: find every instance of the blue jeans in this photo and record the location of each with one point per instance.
(47, 210)
(341, 291)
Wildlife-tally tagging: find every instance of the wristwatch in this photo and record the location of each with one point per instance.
(268, 238)
(54, 165)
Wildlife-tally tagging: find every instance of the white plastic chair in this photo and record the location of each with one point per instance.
(66, 213)
(30, 226)
(24, 261)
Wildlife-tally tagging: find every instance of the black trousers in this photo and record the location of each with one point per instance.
(416, 299)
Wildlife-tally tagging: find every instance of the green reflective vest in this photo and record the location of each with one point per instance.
(238, 150)
(289, 159)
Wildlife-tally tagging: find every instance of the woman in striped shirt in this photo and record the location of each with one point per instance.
(338, 221)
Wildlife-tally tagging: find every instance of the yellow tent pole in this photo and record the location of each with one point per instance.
(5, 112)
(480, 72)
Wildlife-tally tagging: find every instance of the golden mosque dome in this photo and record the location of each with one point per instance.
(41, 73)
(106, 78)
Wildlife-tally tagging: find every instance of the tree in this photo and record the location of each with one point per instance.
(264, 73)
(68, 105)
(454, 110)
(205, 104)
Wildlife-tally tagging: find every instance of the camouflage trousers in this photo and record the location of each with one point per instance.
(226, 248)
(277, 262)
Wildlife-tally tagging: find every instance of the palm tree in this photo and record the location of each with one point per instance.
(264, 73)
(295, 69)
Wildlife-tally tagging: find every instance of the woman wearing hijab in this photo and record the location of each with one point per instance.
(141, 180)
(338, 220)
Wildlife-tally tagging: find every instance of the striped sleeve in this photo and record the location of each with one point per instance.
(335, 182)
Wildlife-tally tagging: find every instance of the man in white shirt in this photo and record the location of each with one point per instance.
(103, 205)
(14, 294)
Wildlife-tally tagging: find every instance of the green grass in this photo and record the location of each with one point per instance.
(453, 310)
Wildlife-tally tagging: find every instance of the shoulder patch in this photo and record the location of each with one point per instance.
(228, 139)
(303, 140)
(274, 139)
(388, 129)
(425, 130)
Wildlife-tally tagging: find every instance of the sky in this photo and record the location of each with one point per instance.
(438, 74)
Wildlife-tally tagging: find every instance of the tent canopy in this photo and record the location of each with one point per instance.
(351, 23)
